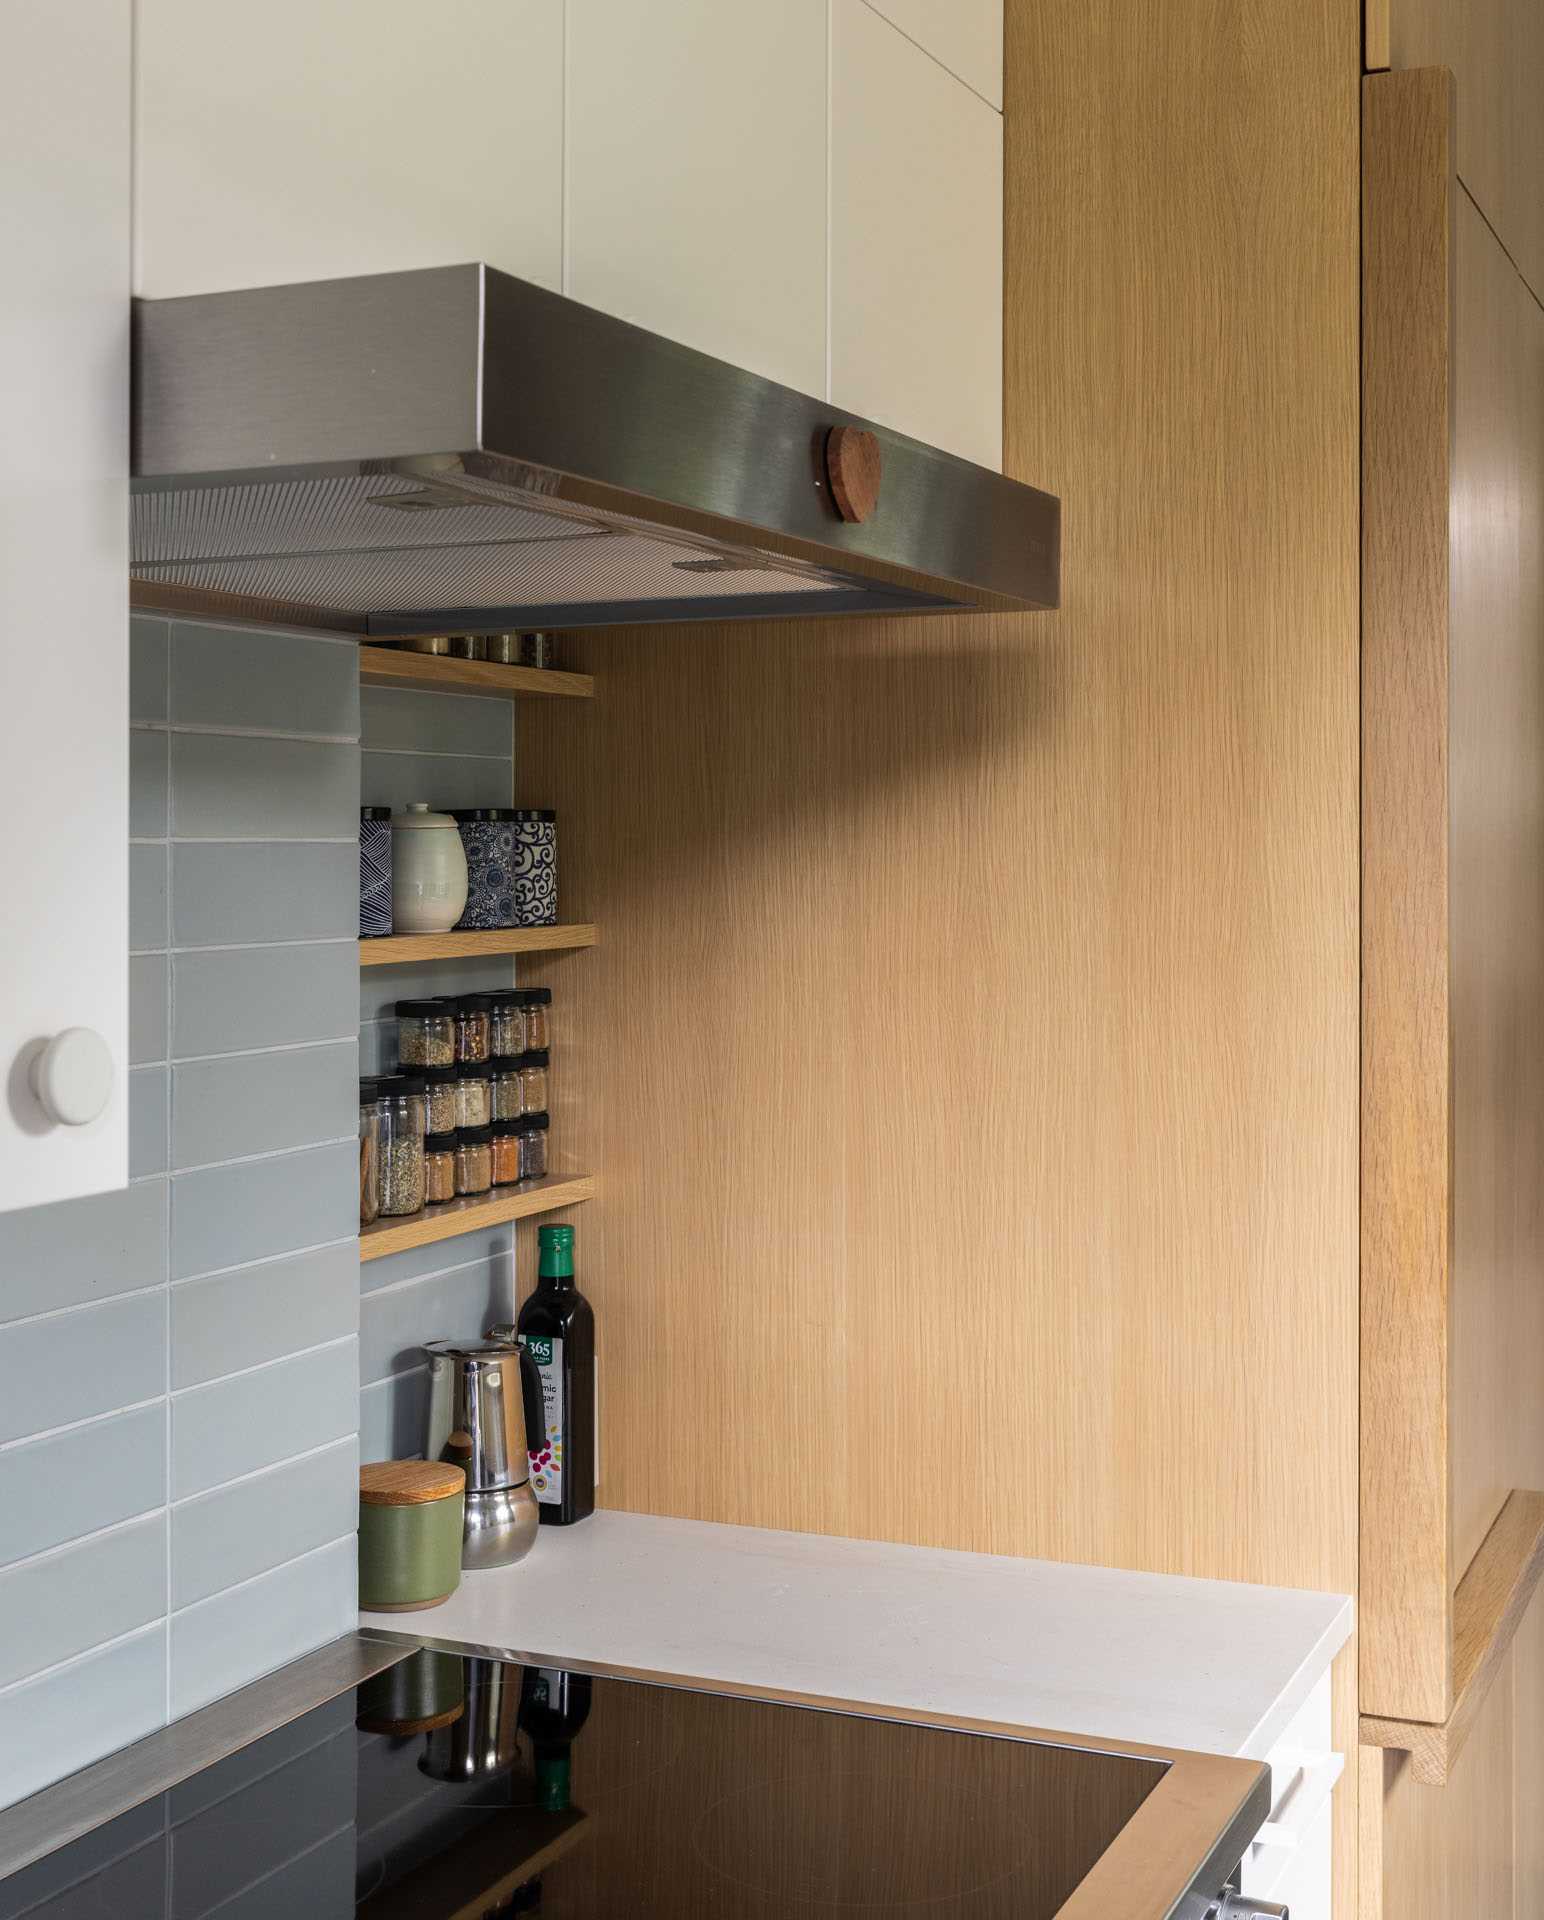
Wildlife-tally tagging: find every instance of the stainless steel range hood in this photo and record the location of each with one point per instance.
(454, 448)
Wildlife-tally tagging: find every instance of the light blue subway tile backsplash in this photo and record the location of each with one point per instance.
(228, 787)
(237, 1636)
(82, 1250)
(66, 1719)
(380, 988)
(73, 1366)
(227, 1000)
(395, 1322)
(444, 780)
(169, 1353)
(392, 1415)
(240, 1531)
(248, 1103)
(234, 896)
(222, 1216)
(488, 1243)
(256, 1314)
(265, 682)
(74, 1483)
(404, 719)
(255, 1420)
(67, 1602)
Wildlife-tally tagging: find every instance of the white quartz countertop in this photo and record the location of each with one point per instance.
(1156, 1659)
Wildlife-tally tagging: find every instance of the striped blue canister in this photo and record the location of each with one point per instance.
(374, 872)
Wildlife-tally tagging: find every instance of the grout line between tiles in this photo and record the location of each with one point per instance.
(204, 728)
(87, 1653)
(260, 840)
(62, 1547)
(263, 1260)
(254, 946)
(210, 1599)
(251, 1159)
(263, 1366)
(86, 1306)
(432, 753)
(440, 1273)
(252, 1053)
(91, 1420)
(174, 621)
(258, 1473)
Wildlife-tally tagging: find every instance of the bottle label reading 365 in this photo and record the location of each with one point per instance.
(547, 1449)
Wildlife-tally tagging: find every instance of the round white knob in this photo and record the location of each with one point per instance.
(72, 1077)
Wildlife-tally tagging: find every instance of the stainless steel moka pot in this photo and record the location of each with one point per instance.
(484, 1400)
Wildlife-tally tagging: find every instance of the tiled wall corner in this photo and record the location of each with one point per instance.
(179, 1362)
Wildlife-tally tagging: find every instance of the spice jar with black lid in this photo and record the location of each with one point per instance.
(508, 1103)
(474, 1095)
(426, 1033)
(400, 1107)
(439, 1167)
(474, 1039)
(474, 1160)
(532, 1129)
(507, 1017)
(506, 1152)
(537, 1003)
(532, 1068)
(440, 1085)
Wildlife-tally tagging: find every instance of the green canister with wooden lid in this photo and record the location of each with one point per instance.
(410, 1514)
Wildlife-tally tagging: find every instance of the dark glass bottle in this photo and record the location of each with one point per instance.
(554, 1705)
(557, 1328)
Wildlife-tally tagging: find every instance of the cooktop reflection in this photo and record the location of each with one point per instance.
(452, 1786)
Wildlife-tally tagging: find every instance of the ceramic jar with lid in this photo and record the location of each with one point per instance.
(428, 871)
(488, 837)
(535, 857)
(410, 1521)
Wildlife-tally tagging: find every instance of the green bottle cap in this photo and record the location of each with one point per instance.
(553, 1791)
(555, 1253)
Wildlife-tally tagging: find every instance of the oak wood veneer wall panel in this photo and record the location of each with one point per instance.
(971, 1064)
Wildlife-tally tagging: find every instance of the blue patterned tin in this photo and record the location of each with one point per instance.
(489, 835)
(536, 867)
(374, 872)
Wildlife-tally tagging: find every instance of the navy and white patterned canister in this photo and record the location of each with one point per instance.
(374, 872)
(488, 835)
(536, 867)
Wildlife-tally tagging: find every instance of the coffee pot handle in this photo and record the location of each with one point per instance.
(535, 1408)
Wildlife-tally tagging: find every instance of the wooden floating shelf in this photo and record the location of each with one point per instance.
(1491, 1599)
(402, 949)
(494, 1209)
(401, 667)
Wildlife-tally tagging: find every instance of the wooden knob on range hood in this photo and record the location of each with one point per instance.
(854, 467)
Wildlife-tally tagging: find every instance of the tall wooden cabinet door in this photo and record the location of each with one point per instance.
(64, 392)
(696, 182)
(916, 240)
(294, 141)
(1452, 1442)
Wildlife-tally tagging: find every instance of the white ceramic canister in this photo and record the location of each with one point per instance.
(428, 871)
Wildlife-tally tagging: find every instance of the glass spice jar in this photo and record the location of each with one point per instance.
(532, 1068)
(537, 1002)
(508, 1103)
(370, 1136)
(507, 1017)
(408, 1092)
(467, 646)
(474, 1160)
(474, 1096)
(439, 1167)
(441, 1085)
(474, 1027)
(533, 1146)
(401, 1114)
(426, 1033)
(506, 1152)
(503, 648)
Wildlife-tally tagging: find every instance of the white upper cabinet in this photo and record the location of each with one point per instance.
(916, 240)
(966, 36)
(697, 175)
(307, 139)
(64, 622)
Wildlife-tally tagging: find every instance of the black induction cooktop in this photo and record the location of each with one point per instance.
(449, 1785)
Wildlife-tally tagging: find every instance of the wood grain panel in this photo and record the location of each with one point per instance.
(972, 1054)
(1528, 1761)
(1405, 1603)
(1495, 49)
(1448, 1851)
(1496, 841)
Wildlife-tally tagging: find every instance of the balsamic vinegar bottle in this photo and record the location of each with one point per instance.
(554, 1705)
(557, 1329)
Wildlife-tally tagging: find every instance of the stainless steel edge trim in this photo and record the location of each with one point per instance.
(83, 1801)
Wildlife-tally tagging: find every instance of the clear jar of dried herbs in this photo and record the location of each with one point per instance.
(474, 1160)
(370, 1147)
(474, 1096)
(401, 1113)
(474, 1027)
(426, 1033)
(505, 1076)
(439, 1167)
(440, 1085)
(507, 1015)
(537, 1002)
(467, 646)
(506, 1152)
(533, 1145)
(532, 1068)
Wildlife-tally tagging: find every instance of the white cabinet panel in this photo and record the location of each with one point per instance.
(302, 139)
(916, 241)
(64, 627)
(966, 36)
(697, 175)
